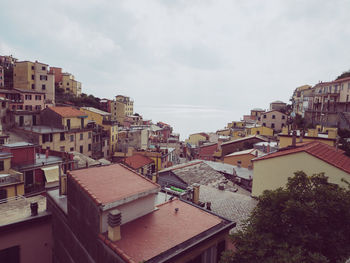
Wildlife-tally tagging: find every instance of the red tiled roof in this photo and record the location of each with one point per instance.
(107, 184)
(137, 161)
(317, 149)
(67, 111)
(161, 230)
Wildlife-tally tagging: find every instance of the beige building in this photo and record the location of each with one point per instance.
(271, 171)
(70, 85)
(273, 119)
(242, 158)
(121, 107)
(34, 76)
(197, 138)
(278, 105)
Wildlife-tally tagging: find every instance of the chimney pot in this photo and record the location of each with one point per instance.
(114, 222)
(196, 193)
(34, 208)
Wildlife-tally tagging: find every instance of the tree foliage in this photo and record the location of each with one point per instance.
(344, 142)
(308, 221)
(83, 101)
(345, 74)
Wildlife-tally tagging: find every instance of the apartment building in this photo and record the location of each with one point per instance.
(35, 76)
(7, 63)
(110, 127)
(275, 120)
(122, 223)
(121, 107)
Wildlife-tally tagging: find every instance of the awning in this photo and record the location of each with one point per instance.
(51, 173)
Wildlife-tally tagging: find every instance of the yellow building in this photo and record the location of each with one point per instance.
(242, 158)
(121, 107)
(311, 135)
(259, 130)
(196, 138)
(34, 76)
(103, 119)
(272, 171)
(70, 85)
(11, 181)
(236, 124)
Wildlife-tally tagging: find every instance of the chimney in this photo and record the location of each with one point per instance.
(114, 222)
(209, 206)
(256, 153)
(301, 136)
(268, 148)
(34, 208)
(196, 193)
(294, 138)
(47, 153)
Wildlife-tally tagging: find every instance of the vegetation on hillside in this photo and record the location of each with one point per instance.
(83, 101)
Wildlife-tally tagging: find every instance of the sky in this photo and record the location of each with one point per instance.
(196, 65)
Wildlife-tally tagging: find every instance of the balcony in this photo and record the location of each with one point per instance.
(13, 178)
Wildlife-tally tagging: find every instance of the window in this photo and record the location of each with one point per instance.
(32, 77)
(62, 149)
(89, 147)
(273, 117)
(43, 87)
(43, 77)
(38, 107)
(112, 138)
(71, 149)
(81, 136)
(89, 136)
(43, 68)
(28, 107)
(264, 124)
(32, 67)
(33, 86)
(71, 138)
(62, 138)
(283, 117)
(28, 97)
(2, 167)
(37, 97)
(67, 89)
(264, 116)
(81, 148)
(67, 83)
(10, 255)
(68, 124)
(3, 104)
(272, 125)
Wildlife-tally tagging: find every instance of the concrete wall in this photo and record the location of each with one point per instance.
(132, 210)
(246, 159)
(272, 173)
(34, 239)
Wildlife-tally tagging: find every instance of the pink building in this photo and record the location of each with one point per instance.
(28, 100)
(58, 74)
(273, 119)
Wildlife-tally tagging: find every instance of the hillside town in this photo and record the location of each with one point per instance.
(87, 179)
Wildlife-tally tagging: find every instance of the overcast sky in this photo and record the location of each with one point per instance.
(196, 65)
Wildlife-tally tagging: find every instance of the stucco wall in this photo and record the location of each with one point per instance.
(34, 239)
(272, 173)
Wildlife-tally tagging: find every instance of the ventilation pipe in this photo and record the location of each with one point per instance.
(114, 222)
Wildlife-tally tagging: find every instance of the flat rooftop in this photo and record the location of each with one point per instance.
(113, 183)
(17, 209)
(43, 129)
(164, 232)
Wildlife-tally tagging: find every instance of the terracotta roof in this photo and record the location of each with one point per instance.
(161, 231)
(262, 138)
(137, 161)
(110, 183)
(249, 151)
(67, 111)
(317, 149)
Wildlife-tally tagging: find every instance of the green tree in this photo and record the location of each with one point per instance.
(308, 221)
